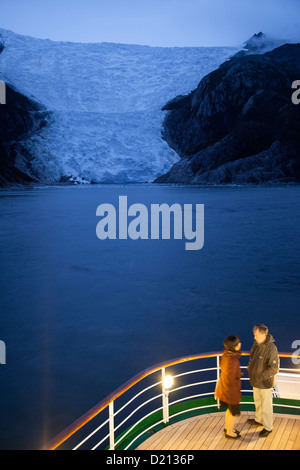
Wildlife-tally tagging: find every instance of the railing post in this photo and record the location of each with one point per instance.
(111, 427)
(165, 397)
(218, 376)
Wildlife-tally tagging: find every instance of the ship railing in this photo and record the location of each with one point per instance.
(160, 395)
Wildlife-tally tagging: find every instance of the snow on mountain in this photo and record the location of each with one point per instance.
(105, 101)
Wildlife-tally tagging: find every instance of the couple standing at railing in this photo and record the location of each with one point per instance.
(262, 368)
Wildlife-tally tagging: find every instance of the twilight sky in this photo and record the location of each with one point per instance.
(153, 22)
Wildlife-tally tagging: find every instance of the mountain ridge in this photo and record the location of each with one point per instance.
(239, 125)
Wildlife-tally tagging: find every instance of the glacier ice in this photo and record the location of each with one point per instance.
(105, 101)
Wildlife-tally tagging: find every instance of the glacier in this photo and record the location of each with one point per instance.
(105, 104)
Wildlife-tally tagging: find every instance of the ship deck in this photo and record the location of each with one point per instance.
(206, 432)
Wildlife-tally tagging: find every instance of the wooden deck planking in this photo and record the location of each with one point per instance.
(206, 432)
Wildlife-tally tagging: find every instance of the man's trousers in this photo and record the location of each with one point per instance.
(263, 401)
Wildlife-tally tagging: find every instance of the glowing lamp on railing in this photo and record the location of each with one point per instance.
(168, 382)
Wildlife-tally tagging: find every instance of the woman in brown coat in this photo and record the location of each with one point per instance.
(228, 389)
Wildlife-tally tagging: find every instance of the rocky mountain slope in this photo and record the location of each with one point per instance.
(19, 120)
(239, 125)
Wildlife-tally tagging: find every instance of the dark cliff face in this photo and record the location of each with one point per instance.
(240, 124)
(19, 118)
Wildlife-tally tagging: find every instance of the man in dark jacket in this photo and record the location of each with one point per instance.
(262, 368)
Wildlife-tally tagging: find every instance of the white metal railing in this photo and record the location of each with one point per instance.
(164, 406)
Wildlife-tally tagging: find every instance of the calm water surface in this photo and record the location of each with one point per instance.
(80, 316)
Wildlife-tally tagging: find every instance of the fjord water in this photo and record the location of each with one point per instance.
(80, 316)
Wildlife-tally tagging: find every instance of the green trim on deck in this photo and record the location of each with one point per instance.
(187, 411)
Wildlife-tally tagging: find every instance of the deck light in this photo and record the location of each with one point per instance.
(168, 382)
